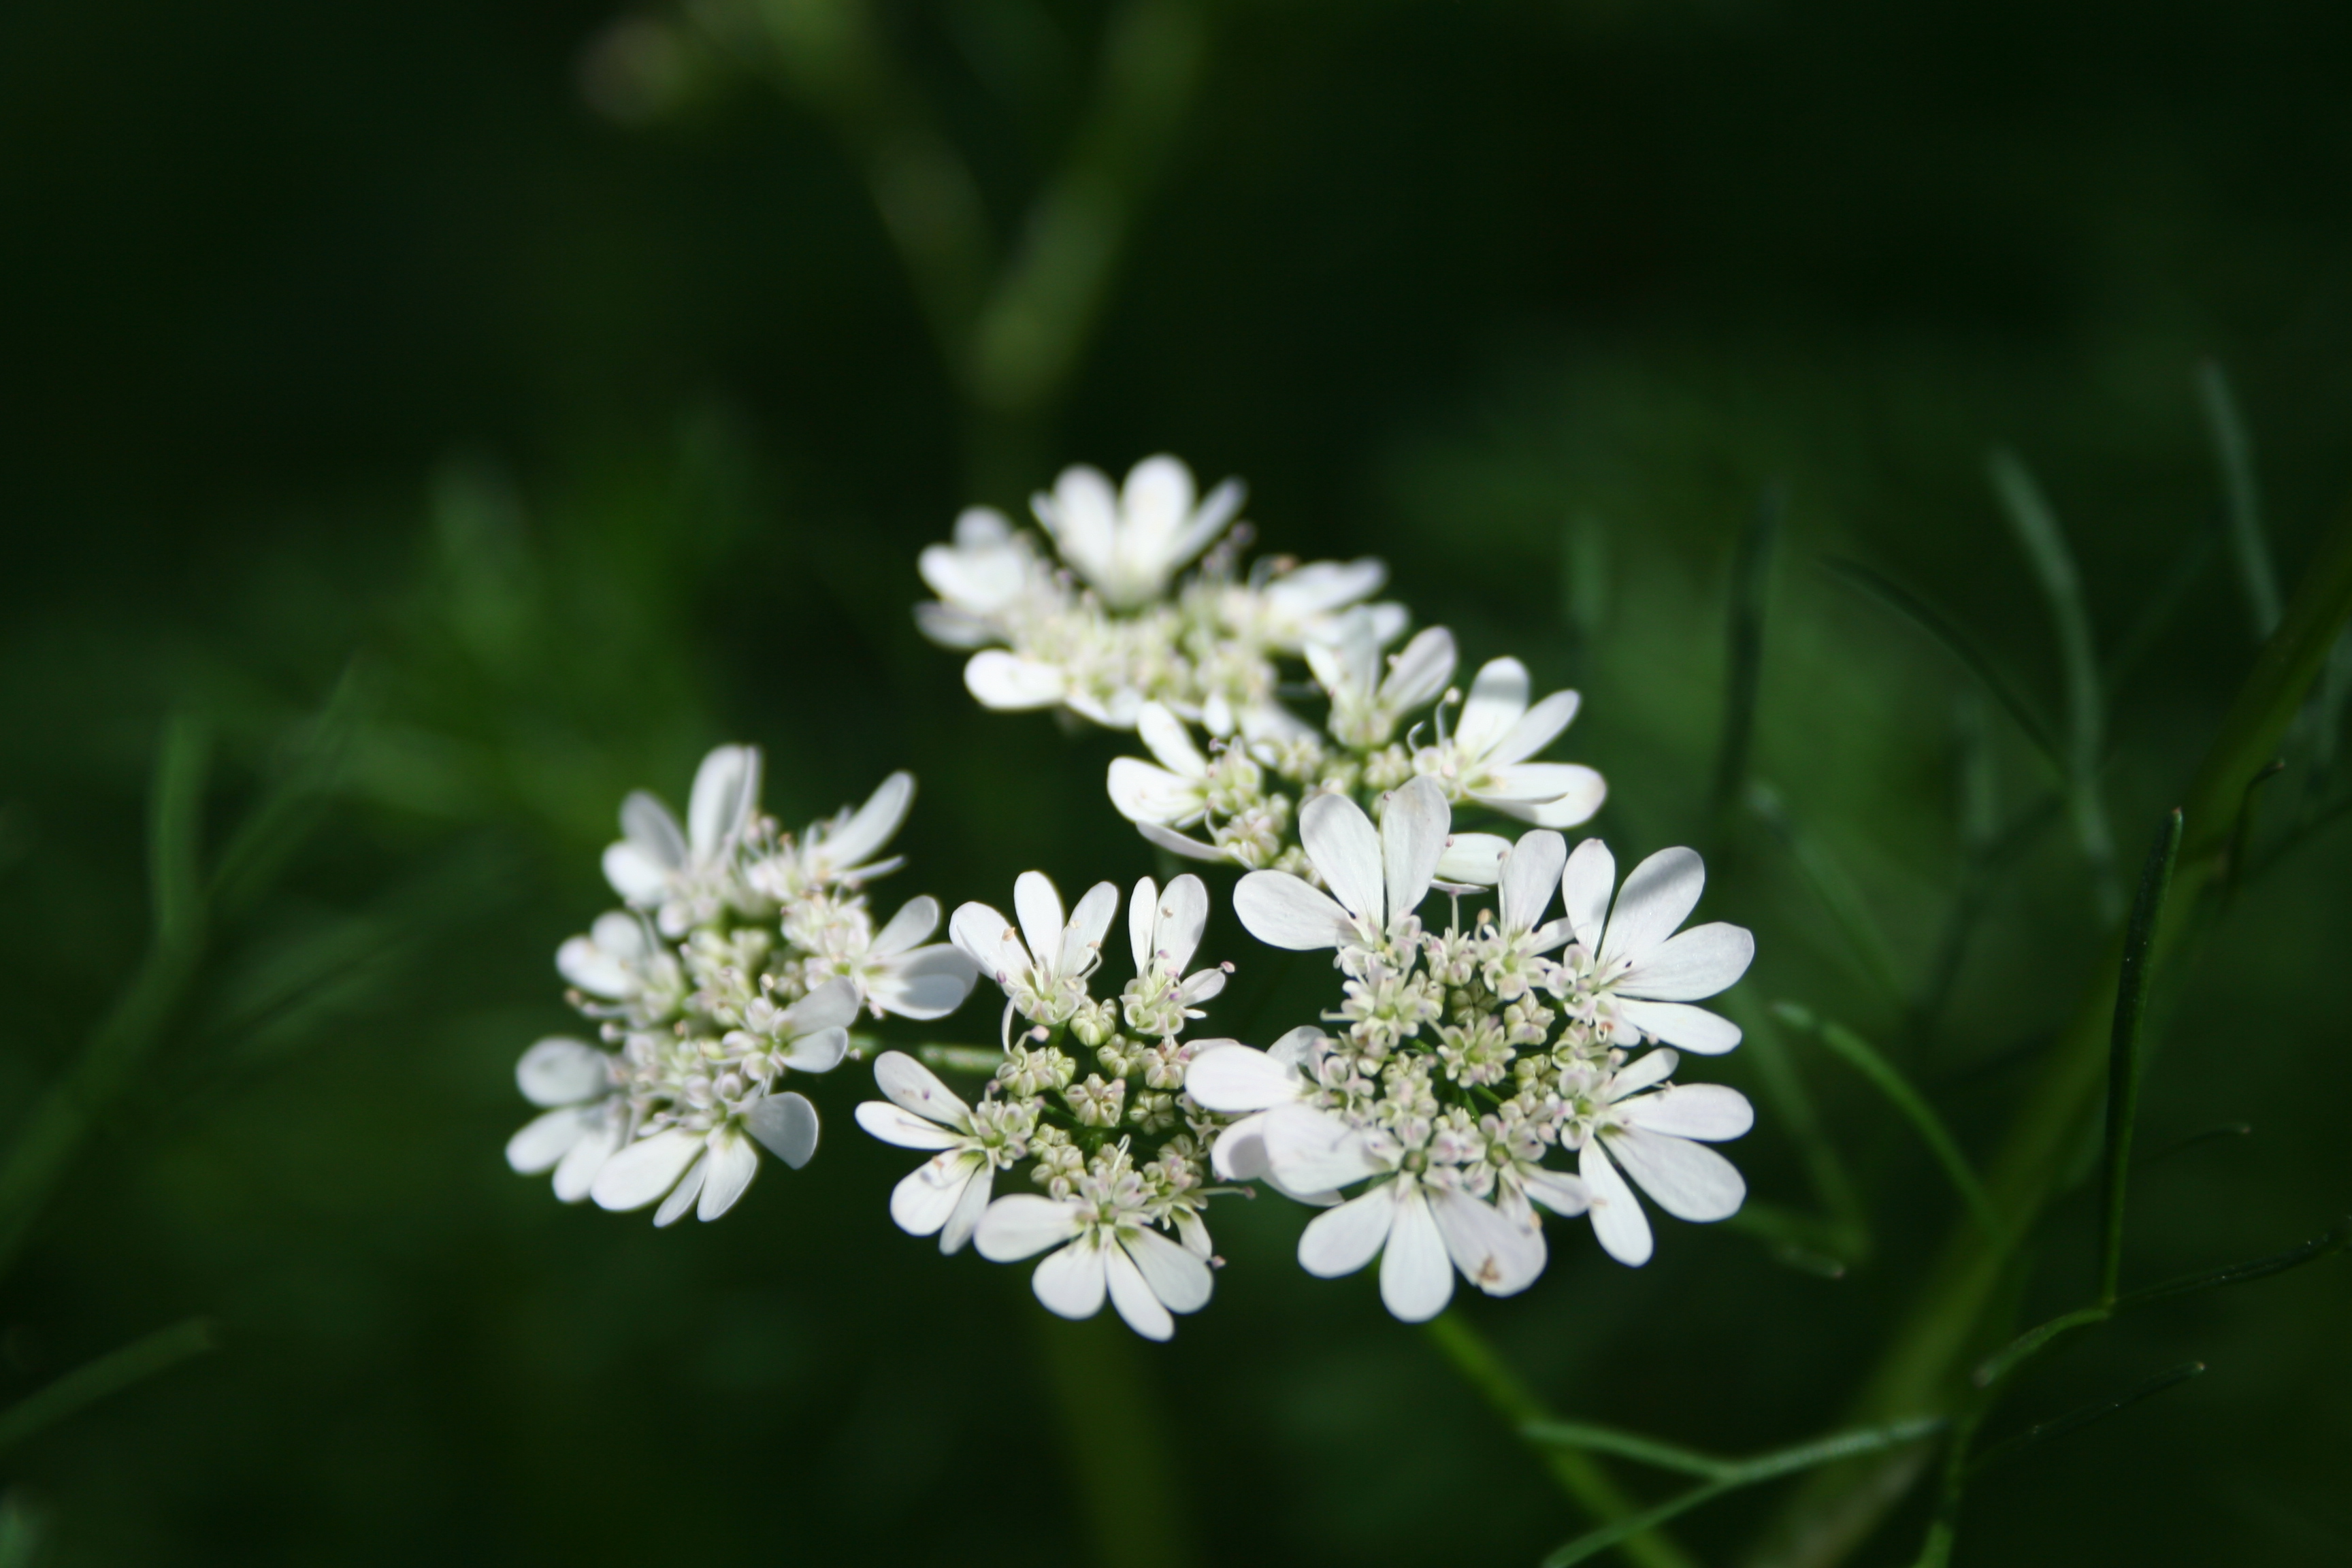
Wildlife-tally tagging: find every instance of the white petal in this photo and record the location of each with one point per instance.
(820, 1052)
(1177, 844)
(1536, 730)
(926, 1197)
(1200, 985)
(1474, 858)
(634, 875)
(1300, 1048)
(646, 822)
(873, 825)
(734, 1160)
(832, 1005)
(1082, 515)
(1558, 1192)
(916, 1087)
(1183, 914)
(1419, 672)
(1584, 888)
(905, 1128)
(1528, 877)
(1009, 683)
(561, 1071)
(1689, 1181)
(787, 1124)
(1713, 1113)
(1170, 742)
(1530, 784)
(1342, 1240)
(1089, 923)
(1618, 1222)
(1680, 1023)
(1699, 962)
(1131, 1296)
(988, 939)
(1239, 1153)
(1498, 697)
(917, 918)
(1177, 1276)
(1312, 1150)
(546, 1139)
(1142, 913)
(1069, 1282)
(968, 1207)
(726, 792)
(1024, 1225)
(1416, 1278)
(1658, 894)
(1142, 793)
(1195, 1235)
(682, 1196)
(1039, 905)
(645, 1169)
(621, 935)
(1499, 1255)
(1642, 1071)
(1281, 910)
(581, 961)
(577, 1171)
(1412, 836)
(1322, 586)
(929, 983)
(1340, 839)
(1236, 1078)
(1578, 807)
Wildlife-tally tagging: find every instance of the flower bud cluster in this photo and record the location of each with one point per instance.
(741, 958)
(1086, 1109)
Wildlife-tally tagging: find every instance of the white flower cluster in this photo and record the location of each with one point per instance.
(742, 957)
(1090, 1098)
(1465, 1058)
(1111, 634)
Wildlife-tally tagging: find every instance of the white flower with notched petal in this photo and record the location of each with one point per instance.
(685, 877)
(1164, 930)
(983, 580)
(1378, 876)
(1514, 956)
(1660, 1139)
(1128, 544)
(1234, 1079)
(1419, 1218)
(1104, 1244)
(699, 1151)
(1486, 758)
(946, 1194)
(839, 852)
(585, 1120)
(1638, 974)
(1367, 703)
(1046, 978)
(622, 964)
(892, 974)
(1306, 604)
(1173, 792)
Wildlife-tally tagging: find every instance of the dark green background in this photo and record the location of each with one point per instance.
(341, 334)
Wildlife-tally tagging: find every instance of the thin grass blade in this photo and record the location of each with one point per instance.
(1839, 895)
(175, 832)
(2009, 1449)
(1628, 1446)
(2124, 1050)
(1942, 629)
(2198, 1140)
(107, 1375)
(2337, 1239)
(2241, 514)
(1751, 578)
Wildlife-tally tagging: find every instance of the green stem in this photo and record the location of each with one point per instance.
(1579, 1475)
(2125, 1054)
(108, 1374)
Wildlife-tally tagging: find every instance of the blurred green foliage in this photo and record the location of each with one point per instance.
(527, 398)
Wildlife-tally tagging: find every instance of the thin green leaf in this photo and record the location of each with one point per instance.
(1806, 1243)
(2241, 831)
(1629, 1446)
(2009, 1449)
(2156, 611)
(108, 1374)
(1752, 576)
(2337, 1237)
(1746, 1473)
(1859, 1054)
(2241, 516)
(2053, 563)
(1845, 1234)
(1937, 626)
(2033, 1341)
(175, 832)
(290, 806)
(1836, 889)
(2124, 1050)
(2210, 1135)
(1580, 1476)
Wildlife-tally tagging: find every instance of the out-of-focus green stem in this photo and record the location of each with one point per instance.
(1578, 1474)
(1923, 1365)
(109, 1373)
(1101, 1384)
